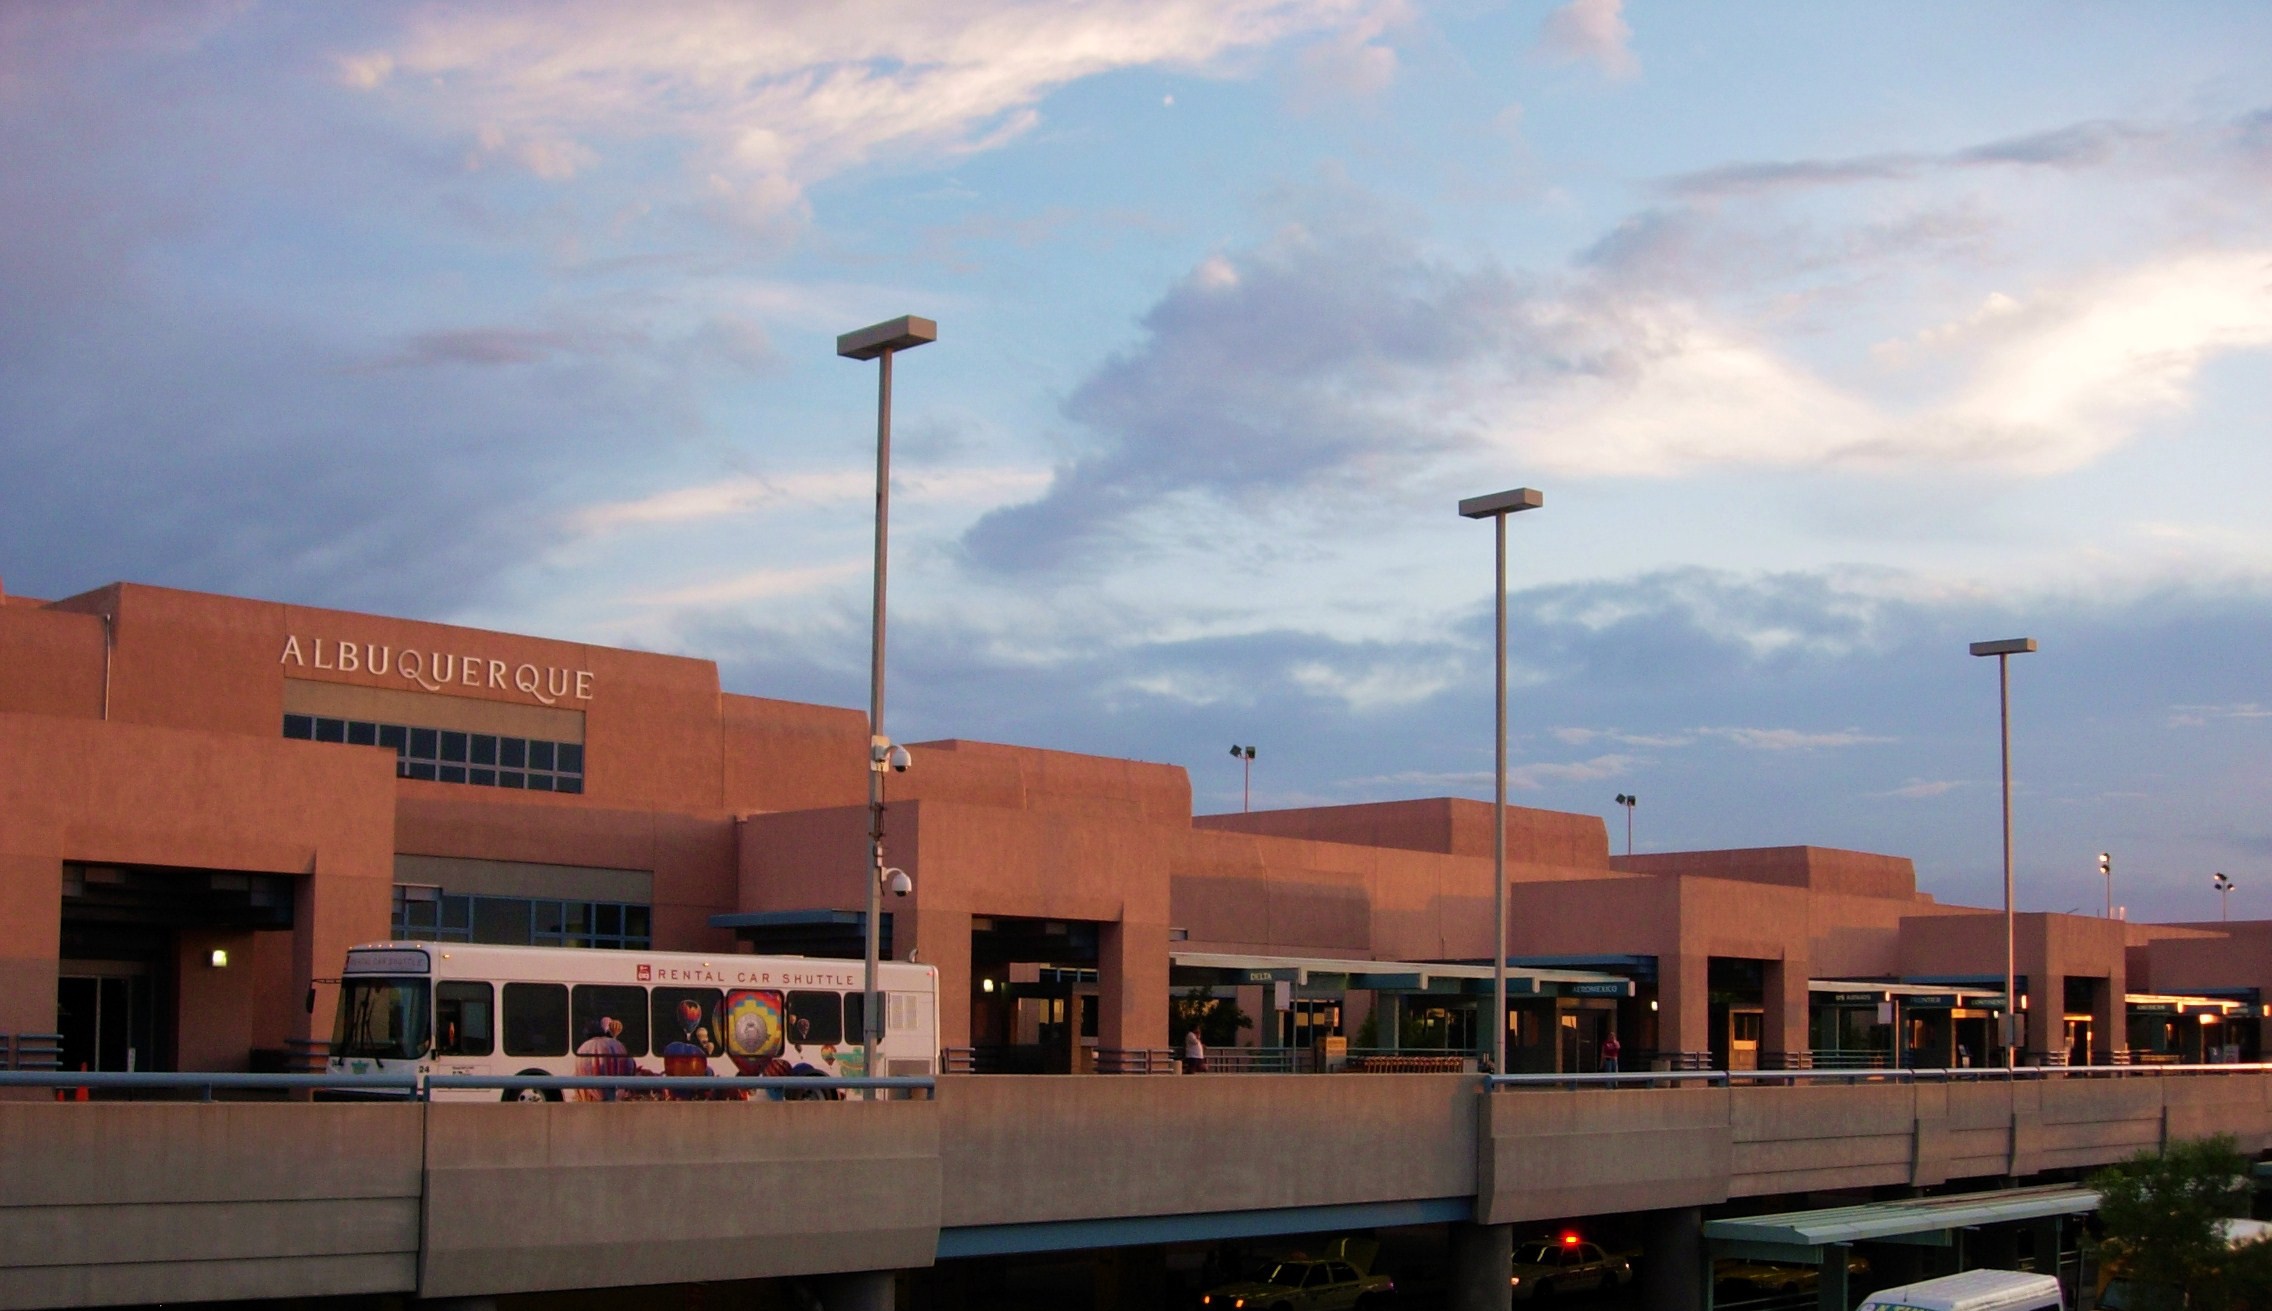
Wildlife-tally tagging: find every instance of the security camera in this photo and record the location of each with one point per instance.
(898, 882)
(900, 760)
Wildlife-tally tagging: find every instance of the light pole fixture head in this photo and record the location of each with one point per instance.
(2007, 646)
(1627, 799)
(2222, 884)
(899, 334)
(1498, 503)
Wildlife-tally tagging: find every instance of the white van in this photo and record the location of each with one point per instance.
(1974, 1290)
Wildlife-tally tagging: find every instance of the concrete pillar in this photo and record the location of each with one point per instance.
(31, 929)
(1481, 1265)
(1675, 1276)
(2046, 995)
(1783, 1038)
(334, 908)
(1684, 1001)
(864, 1290)
(1357, 1006)
(1390, 1008)
(1132, 985)
(2110, 1027)
(1253, 1002)
(940, 936)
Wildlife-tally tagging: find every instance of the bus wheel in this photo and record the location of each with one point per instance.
(530, 1094)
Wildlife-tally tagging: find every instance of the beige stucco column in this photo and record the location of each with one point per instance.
(2046, 995)
(2110, 1022)
(31, 928)
(1132, 985)
(940, 937)
(343, 903)
(1783, 1033)
(1684, 1004)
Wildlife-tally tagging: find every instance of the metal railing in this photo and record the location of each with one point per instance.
(31, 1051)
(1138, 1060)
(410, 1086)
(1793, 1078)
(205, 1084)
(642, 1087)
(1257, 1060)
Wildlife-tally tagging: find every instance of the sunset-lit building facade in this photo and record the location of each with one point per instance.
(205, 800)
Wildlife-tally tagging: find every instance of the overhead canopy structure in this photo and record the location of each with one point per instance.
(1225, 968)
(1821, 1238)
(1921, 996)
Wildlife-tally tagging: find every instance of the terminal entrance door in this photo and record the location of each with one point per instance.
(118, 987)
(106, 1012)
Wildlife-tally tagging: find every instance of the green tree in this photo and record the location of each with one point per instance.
(2160, 1211)
(1218, 1019)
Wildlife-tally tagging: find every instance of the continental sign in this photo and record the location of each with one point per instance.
(436, 671)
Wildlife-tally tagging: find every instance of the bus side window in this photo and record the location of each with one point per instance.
(855, 1006)
(536, 1019)
(816, 1018)
(462, 1020)
(690, 1015)
(626, 1004)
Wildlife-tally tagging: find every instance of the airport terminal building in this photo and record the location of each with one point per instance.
(205, 800)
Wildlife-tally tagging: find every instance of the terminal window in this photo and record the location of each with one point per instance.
(442, 755)
(425, 915)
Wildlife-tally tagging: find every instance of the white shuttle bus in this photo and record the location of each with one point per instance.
(1974, 1290)
(467, 1008)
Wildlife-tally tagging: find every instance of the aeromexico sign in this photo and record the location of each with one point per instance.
(437, 671)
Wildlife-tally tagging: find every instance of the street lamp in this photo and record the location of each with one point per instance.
(2224, 887)
(2004, 650)
(1496, 507)
(879, 343)
(1628, 801)
(2106, 869)
(1245, 756)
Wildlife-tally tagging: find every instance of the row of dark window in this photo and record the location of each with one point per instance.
(552, 1019)
(444, 755)
(422, 915)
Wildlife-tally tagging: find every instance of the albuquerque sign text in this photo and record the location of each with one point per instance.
(436, 670)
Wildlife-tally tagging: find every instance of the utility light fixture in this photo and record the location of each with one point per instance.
(2003, 649)
(1496, 507)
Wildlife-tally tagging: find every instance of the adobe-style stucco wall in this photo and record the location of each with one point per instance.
(1450, 826)
(125, 794)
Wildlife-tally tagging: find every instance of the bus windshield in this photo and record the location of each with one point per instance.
(381, 1019)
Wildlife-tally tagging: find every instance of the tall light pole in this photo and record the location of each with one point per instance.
(879, 343)
(2004, 650)
(1496, 507)
(1628, 800)
(2224, 887)
(2106, 868)
(1245, 757)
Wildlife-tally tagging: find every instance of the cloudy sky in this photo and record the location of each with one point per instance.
(1836, 335)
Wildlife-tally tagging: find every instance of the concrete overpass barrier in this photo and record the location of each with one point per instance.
(1600, 1150)
(1021, 1150)
(1788, 1140)
(104, 1203)
(521, 1198)
(107, 1203)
